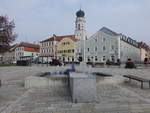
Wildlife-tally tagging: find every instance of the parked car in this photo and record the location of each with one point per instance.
(14, 62)
(56, 62)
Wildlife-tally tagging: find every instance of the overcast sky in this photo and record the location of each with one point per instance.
(37, 20)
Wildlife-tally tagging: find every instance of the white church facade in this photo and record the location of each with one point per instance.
(106, 44)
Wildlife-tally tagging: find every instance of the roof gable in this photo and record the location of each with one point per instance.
(30, 45)
(58, 38)
(108, 31)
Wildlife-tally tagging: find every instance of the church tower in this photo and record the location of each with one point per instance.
(80, 32)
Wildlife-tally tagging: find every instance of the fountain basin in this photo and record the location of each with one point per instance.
(45, 82)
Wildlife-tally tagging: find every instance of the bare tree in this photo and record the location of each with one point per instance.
(7, 35)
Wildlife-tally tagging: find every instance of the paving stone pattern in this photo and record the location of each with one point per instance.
(113, 96)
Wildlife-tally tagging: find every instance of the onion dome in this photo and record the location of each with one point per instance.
(80, 13)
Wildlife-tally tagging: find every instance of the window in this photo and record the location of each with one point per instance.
(89, 59)
(72, 58)
(145, 55)
(68, 59)
(96, 40)
(73, 50)
(78, 26)
(63, 59)
(104, 39)
(95, 48)
(88, 49)
(104, 58)
(112, 58)
(104, 48)
(69, 51)
(112, 47)
(96, 58)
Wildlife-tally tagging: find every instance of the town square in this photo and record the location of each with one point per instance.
(66, 57)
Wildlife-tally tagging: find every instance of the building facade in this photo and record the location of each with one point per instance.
(101, 46)
(106, 44)
(9, 56)
(129, 49)
(26, 50)
(144, 51)
(48, 46)
(54, 48)
(66, 49)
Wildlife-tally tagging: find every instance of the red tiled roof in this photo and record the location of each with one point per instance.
(29, 46)
(25, 44)
(31, 49)
(59, 38)
(143, 45)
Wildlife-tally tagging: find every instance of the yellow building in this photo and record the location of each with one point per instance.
(66, 48)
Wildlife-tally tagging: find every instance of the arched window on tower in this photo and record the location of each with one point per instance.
(78, 26)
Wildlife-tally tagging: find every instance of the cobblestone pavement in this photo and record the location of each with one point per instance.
(115, 95)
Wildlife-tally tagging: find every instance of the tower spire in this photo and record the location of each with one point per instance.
(80, 6)
(80, 25)
(80, 33)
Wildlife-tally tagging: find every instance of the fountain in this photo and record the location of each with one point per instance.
(82, 84)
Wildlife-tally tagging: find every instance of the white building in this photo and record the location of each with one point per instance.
(129, 49)
(48, 46)
(106, 44)
(26, 50)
